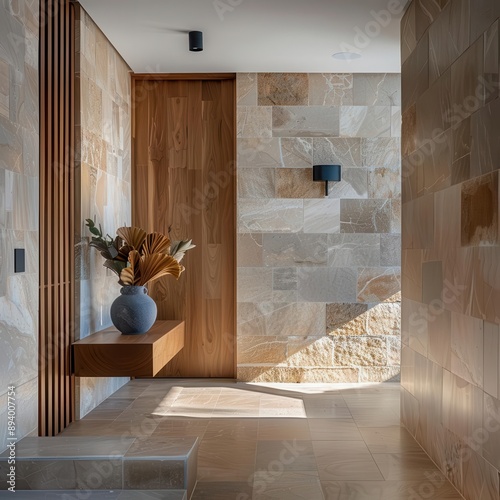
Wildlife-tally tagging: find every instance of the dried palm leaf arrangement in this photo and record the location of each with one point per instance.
(137, 257)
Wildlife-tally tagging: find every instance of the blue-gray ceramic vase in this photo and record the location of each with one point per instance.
(134, 311)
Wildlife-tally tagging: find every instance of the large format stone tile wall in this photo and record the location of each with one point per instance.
(451, 253)
(103, 158)
(318, 284)
(19, 175)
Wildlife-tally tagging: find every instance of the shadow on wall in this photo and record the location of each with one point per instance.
(318, 277)
(361, 342)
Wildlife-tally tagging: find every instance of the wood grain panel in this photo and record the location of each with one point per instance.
(214, 271)
(176, 123)
(184, 181)
(57, 196)
(141, 176)
(210, 161)
(195, 106)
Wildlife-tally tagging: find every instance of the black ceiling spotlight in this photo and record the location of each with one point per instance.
(326, 173)
(195, 41)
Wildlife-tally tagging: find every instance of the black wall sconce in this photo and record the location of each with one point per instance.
(19, 260)
(327, 173)
(195, 41)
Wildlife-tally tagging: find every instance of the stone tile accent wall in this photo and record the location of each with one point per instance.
(104, 159)
(450, 279)
(318, 278)
(19, 179)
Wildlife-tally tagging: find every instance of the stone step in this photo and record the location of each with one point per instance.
(98, 495)
(103, 463)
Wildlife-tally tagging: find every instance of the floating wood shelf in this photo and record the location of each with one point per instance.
(108, 353)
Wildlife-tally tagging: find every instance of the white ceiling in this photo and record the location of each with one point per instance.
(252, 35)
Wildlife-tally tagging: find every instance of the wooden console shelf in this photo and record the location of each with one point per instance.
(108, 353)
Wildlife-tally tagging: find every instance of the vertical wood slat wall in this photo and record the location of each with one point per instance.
(57, 194)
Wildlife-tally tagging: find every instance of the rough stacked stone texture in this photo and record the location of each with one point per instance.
(318, 278)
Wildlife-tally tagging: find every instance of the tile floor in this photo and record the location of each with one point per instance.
(279, 441)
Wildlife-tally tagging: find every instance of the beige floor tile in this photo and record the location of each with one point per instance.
(201, 390)
(242, 398)
(371, 399)
(282, 406)
(158, 446)
(230, 452)
(182, 427)
(164, 397)
(282, 412)
(375, 405)
(287, 485)
(371, 388)
(376, 419)
(328, 412)
(115, 404)
(345, 460)
(104, 414)
(350, 468)
(241, 389)
(394, 439)
(152, 402)
(382, 397)
(232, 405)
(287, 455)
(226, 460)
(232, 428)
(404, 466)
(388, 490)
(102, 495)
(87, 428)
(260, 435)
(374, 411)
(239, 413)
(196, 401)
(222, 491)
(272, 401)
(142, 428)
(271, 429)
(128, 391)
(137, 414)
(138, 427)
(324, 401)
(225, 472)
(328, 429)
(188, 412)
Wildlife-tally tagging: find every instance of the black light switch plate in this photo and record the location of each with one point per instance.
(19, 260)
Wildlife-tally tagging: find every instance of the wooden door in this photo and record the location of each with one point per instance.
(184, 179)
